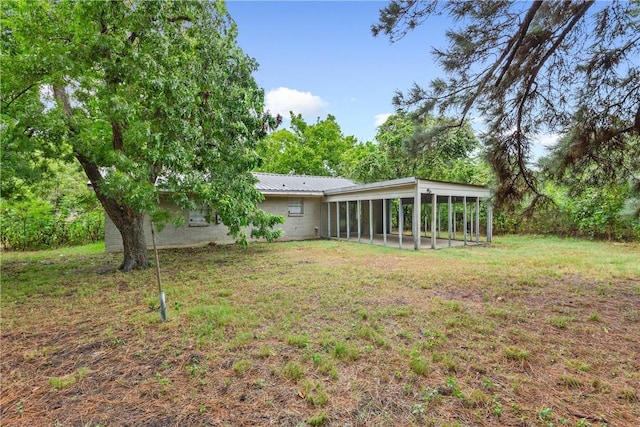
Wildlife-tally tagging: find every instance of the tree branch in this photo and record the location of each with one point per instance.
(522, 33)
(19, 94)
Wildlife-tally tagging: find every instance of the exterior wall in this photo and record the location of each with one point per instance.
(299, 227)
(303, 227)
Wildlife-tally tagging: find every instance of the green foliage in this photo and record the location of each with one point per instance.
(315, 149)
(147, 96)
(593, 212)
(531, 68)
(53, 213)
(429, 148)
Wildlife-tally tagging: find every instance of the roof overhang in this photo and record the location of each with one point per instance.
(405, 188)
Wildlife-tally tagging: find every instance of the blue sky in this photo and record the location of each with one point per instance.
(319, 58)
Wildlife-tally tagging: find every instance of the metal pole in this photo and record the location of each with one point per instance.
(163, 305)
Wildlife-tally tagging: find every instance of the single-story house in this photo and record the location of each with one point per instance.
(317, 207)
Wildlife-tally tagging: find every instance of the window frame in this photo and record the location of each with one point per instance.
(295, 206)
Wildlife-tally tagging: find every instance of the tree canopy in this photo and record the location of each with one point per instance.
(148, 97)
(571, 68)
(310, 149)
(429, 148)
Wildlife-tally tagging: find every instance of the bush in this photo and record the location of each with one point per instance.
(39, 224)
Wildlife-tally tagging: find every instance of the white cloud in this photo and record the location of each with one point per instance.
(282, 100)
(546, 139)
(379, 119)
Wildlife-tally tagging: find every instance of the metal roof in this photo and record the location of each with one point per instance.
(277, 183)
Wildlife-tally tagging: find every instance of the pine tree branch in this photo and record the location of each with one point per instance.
(522, 33)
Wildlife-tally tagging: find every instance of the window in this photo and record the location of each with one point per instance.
(199, 217)
(295, 206)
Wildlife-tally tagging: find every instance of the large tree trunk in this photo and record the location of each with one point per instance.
(128, 221)
(131, 229)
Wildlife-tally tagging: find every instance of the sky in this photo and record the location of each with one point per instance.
(319, 57)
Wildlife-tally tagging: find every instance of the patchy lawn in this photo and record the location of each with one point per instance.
(527, 332)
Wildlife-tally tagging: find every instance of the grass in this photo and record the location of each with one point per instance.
(527, 331)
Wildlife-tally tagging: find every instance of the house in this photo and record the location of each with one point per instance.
(332, 207)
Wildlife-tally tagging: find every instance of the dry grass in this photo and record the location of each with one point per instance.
(527, 332)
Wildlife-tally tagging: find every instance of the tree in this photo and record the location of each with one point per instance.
(147, 97)
(315, 149)
(571, 68)
(429, 148)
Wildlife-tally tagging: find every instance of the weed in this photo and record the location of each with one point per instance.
(560, 322)
(405, 335)
(515, 353)
(163, 381)
(594, 317)
(450, 364)
(314, 393)
(368, 333)
(476, 399)
(419, 365)
(578, 365)
(207, 320)
(325, 365)
(500, 313)
(242, 366)
(452, 388)
(432, 338)
(293, 371)
(59, 383)
(194, 369)
(265, 351)
(629, 395)
(225, 293)
(362, 314)
(546, 414)
(300, 341)
(318, 420)
(497, 407)
(345, 351)
(570, 382)
(431, 395)
(39, 352)
(454, 306)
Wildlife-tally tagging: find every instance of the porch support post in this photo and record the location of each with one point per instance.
(348, 229)
(489, 222)
(439, 220)
(464, 219)
(416, 219)
(338, 219)
(329, 220)
(455, 212)
(400, 222)
(450, 225)
(370, 221)
(434, 215)
(384, 222)
(359, 213)
(477, 219)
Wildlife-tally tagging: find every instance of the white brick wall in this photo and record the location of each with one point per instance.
(295, 227)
